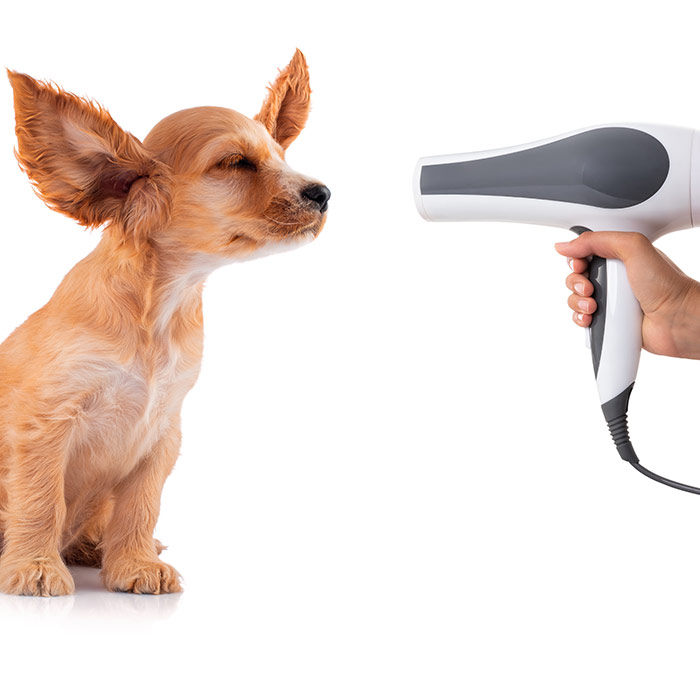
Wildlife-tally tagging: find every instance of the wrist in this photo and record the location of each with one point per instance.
(685, 324)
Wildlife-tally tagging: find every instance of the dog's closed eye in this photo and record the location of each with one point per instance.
(237, 161)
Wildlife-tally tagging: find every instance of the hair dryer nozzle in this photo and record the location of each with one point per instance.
(417, 195)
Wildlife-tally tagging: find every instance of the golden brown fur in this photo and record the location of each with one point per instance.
(91, 385)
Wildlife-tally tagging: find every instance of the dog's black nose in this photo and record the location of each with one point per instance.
(319, 194)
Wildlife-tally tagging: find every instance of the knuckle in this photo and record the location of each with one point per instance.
(637, 239)
(587, 235)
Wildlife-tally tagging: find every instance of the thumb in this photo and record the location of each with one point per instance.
(622, 245)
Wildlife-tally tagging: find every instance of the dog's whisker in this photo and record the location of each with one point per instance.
(282, 223)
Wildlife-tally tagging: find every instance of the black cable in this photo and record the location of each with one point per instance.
(664, 480)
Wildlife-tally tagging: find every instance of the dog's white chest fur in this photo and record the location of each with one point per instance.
(129, 409)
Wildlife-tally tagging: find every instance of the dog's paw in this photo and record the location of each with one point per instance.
(133, 576)
(45, 576)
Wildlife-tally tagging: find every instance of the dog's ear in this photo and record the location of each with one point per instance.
(286, 109)
(83, 164)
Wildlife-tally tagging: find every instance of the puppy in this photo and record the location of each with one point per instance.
(91, 385)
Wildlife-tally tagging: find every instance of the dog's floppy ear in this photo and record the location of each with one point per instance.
(286, 109)
(83, 164)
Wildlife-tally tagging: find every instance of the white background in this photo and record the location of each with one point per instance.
(395, 480)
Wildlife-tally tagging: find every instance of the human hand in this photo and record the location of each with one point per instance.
(670, 300)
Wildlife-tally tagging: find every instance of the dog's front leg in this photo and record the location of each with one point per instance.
(130, 560)
(31, 563)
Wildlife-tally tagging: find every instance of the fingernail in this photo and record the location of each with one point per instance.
(579, 317)
(571, 262)
(583, 305)
(579, 287)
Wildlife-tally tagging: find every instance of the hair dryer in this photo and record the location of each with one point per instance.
(624, 177)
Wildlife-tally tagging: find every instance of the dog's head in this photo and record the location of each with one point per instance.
(206, 180)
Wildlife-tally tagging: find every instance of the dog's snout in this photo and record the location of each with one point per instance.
(319, 194)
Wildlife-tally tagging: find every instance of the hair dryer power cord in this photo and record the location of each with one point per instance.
(620, 435)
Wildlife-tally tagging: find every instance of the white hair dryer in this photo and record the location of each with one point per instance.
(623, 177)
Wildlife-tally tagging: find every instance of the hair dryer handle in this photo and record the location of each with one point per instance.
(616, 336)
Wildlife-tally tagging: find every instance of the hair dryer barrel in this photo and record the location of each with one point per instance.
(622, 177)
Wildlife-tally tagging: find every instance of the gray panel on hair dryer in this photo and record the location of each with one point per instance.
(610, 167)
